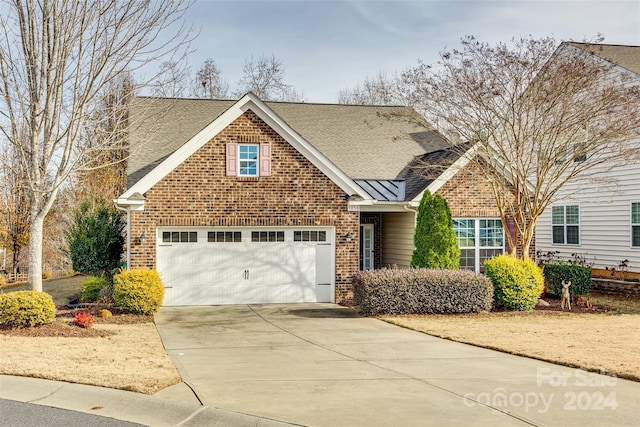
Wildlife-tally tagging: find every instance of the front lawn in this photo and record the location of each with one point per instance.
(606, 337)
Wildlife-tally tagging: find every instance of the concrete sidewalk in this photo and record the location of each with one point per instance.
(176, 406)
(322, 365)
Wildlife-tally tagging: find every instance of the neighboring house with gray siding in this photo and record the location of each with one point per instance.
(599, 218)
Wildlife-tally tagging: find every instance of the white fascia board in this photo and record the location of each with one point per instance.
(312, 154)
(247, 102)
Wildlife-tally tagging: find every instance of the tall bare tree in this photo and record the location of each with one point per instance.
(264, 76)
(172, 80)
(14, 208)
(56, 59)
(539, 115)
(208, 82)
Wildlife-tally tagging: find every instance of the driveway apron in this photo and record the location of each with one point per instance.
(322, 365)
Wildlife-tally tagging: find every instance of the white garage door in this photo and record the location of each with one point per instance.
(246, 266)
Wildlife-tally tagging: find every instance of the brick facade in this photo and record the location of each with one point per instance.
(198, 193)
(470, 196)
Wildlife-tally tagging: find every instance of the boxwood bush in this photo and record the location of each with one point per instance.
(91, 288)
(420, 291)
(517, 283)
(579, 276)
(26, 308)
(138, 291)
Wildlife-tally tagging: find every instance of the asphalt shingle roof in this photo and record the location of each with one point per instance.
(625, 56)
(365, 142)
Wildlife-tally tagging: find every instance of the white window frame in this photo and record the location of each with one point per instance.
(256, 161)
(565, 225)
(477, 247)
(633, 224)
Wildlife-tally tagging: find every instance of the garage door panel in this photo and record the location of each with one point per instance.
(208, 273)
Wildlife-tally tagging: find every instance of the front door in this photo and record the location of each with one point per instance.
(366, 247)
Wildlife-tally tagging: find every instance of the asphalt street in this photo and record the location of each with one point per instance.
(19, 414)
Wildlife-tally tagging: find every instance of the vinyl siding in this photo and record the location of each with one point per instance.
(605, 217)
(397, 235)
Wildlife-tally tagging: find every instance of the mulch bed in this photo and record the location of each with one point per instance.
(62, 326)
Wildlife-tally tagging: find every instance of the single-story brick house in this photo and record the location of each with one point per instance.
(257, 202)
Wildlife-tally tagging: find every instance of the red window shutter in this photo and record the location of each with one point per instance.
(232, 159)
(265, 159)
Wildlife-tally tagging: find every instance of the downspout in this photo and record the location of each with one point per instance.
(128, 211)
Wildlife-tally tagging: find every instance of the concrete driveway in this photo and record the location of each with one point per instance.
(321, 365)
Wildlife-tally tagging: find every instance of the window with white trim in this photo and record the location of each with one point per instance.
(635, 224)
(248, 159)
(565, 224)
(479, 240)
(179, 237)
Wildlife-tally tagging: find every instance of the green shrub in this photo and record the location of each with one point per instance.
(517, 283)
(419, 291)
(26, 308)
(91, 288)
(436, 245)
(95, 239)
(138, 291)
(579, 276)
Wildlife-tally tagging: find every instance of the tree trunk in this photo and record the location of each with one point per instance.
(35, 251)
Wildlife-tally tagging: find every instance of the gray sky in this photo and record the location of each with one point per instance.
(327, 46)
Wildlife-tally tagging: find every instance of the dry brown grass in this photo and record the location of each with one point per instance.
(132, 358)
(592, 341)
(129, 355)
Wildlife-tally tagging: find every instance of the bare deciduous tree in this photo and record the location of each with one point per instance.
(14, 208)
(172, 80)
(208, 82)
(264, 76)
(539, 115)
(56, 59)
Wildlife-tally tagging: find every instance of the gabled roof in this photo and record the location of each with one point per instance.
(625, 56)
(168, 155)
(364, 142)
(378, 153)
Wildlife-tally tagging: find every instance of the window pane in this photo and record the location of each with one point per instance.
(467, 259)
(166, 237)
(573, 235)
(237, 236)
(558, 234)
(635, 213)
(255, 236)
(280, 236)
(573, 214)
(322, 236)
(175, 237)
(557, 214)
(486, 254)
(465, 232)
(248, 152)
(297, 236)
(635, 235)
(193, 237)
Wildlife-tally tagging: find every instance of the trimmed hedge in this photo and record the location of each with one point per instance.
(579, 276)
(419, 291)
(26, 308)
(91, 288)
(517, 283)
(138, 291)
